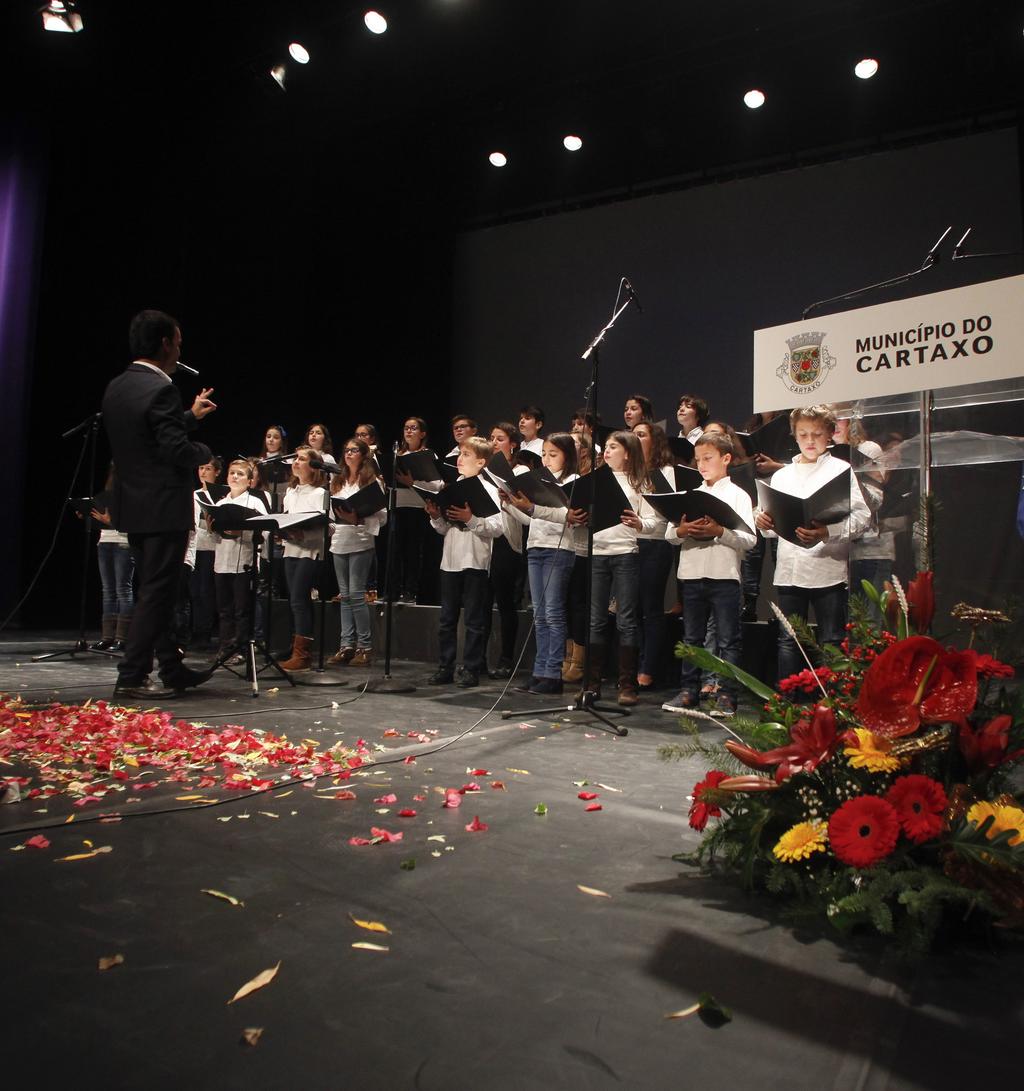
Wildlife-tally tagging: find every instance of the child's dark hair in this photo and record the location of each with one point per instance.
(645, 405)
(533, 411)
(566, 443)
(700, 407)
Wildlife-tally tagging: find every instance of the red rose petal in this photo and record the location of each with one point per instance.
(587, 795)
(38, 842)
(476, 826)
(407, 813)
(593, 807)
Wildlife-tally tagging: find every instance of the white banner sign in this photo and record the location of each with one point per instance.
(965, 335)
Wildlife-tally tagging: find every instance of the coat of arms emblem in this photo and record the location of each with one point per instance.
(807, 363)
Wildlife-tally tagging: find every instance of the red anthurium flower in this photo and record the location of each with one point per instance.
(920, 803)
(984, 747)
(921, 600)
(700, 812)
(812, 743)
(863, 831)
(915, 682)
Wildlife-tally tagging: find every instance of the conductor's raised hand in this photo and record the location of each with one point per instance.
(203, 405)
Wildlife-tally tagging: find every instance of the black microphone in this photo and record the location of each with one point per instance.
(932, 257)
(959, 245)
(329, 467)
(632, 294)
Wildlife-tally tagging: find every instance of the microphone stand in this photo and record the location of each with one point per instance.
(387, 684)
(586, 700)
(930, 259)
(89, 429)
(318, 675)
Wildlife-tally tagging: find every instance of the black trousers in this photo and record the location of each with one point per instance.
(233, 608)
(469, 592)
(506, 578)
(158, 561)
(578, 620)
(204, 595)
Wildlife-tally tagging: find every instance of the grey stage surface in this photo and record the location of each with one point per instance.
(500, 972)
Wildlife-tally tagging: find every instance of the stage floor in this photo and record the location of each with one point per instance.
(500, 972)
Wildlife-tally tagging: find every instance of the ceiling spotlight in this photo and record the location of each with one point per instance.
(375, 22)
(277, 75)
(754, 98)
(572, 143)
(61, 17)
(497, 159)
(299, 53)
(866, 68)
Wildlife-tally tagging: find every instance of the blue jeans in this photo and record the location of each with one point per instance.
(721, 599)
(829, 612)
(549, 571)
(616, 576)
(655, 558)
(352, 570)
(117, 569)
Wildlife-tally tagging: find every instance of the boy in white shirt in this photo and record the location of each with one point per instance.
(531, 421)
(815, 572)
(465, 562)
(709, 567)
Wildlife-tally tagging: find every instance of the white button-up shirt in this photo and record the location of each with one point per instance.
(717, 558)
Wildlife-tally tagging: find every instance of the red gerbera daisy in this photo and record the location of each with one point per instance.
(701, 812)
(863, 831)
(920, 803)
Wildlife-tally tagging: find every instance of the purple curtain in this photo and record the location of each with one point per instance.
(21, 212)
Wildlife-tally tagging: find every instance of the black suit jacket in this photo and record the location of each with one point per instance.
(154, 459)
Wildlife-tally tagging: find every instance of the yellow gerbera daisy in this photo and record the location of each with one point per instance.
(1005, 818)
(798, 842)
(872, 752)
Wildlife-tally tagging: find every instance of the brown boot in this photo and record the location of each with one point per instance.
(597, 655)
(302, 654)
(627, 676)
(567, 658)
(574, 671)
(362, 658)
(342, 656)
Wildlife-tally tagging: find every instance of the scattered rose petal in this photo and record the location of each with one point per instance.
(407, 813)
(593, 891)
(86, 855)
(498, 785)
(107, 962)
(370, 926)
(230, 898)
(390, 733)
(471, 787)
(359, 841)
(478, 772)
(409, 760)
(452, 798)
(251, 1035)
(682, 1014)
(385, 835)
(38, 842)
(476, 826)
(437, 837)
(587, 795)
(258, 982)
(593, 807)
(524, 772)
(389, 798)
(608, 787)
(362, 945)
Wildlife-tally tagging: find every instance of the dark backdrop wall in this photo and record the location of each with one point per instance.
(711, 265)
(308, 288)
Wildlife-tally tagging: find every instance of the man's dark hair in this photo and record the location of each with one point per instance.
(147, 331)
(533, 411)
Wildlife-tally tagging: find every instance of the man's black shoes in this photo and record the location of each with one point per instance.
(143, 692)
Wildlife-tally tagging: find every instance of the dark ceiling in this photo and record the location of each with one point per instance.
(654, 87)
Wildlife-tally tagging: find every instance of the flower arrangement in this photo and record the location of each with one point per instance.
(876, 788)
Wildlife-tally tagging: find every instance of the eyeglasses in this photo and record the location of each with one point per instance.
(352, 450)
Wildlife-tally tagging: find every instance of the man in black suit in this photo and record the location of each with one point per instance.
(151, 498)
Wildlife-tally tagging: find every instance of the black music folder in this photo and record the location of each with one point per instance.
(681, 448)
(529, 458)
(367, 501)
(829, 504)
(744, 475)
(419, 465)
(227, 516)
(307, 520)
(774, 439)
(85, 504)
(499, 470)
(212, 493)
(601, 488)
(469, 490)
(540, 487)
(694, 504)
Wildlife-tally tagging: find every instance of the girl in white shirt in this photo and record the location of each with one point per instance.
(352, 550)
(616, 567)
(202, 590)
(302, 549)
(550, 556)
